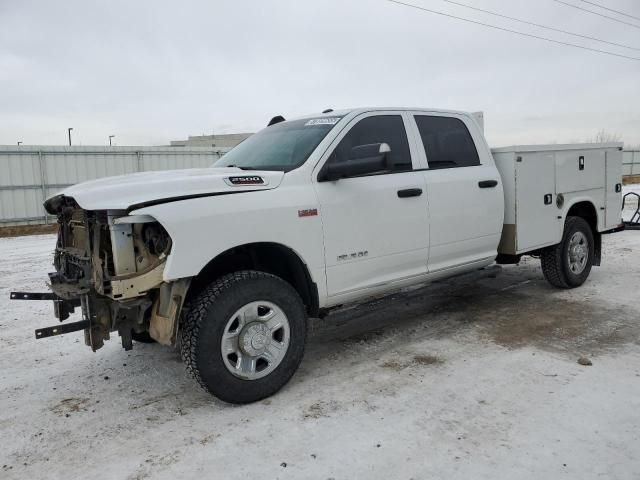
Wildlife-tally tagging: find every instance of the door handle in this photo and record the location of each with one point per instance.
(487, 183)
(409, 192)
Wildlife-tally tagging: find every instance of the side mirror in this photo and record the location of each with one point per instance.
(369, 151)
(362, 159)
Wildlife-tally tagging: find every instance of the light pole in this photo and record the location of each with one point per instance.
(110, 137)
(19, 143)
(69, 132)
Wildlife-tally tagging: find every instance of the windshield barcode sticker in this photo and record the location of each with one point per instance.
(322, 121)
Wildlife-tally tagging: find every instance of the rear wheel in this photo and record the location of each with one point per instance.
(568, 264)
(243, 337)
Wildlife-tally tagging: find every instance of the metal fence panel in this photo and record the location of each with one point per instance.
(163, 161)
(631, 162)
(18, 169)
(29, 175)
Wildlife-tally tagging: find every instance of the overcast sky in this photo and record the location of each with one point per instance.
(154, 71)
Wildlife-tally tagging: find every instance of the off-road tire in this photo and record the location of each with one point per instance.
(555, 259)
(204, 323)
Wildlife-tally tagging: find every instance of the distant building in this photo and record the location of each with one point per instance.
(223, 141)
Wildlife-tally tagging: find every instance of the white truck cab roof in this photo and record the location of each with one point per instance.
(359, 110)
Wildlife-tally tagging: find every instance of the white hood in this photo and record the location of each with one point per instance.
(137, 189)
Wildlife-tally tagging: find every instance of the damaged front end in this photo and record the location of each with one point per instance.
(110, 265)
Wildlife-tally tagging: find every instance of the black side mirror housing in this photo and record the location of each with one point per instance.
(368, 151)
(363, 159)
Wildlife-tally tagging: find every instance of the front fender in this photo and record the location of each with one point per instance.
(203, 228)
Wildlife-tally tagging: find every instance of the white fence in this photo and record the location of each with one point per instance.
(631, 162)
(28, 175)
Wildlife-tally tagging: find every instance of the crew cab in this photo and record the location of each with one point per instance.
(229, 262)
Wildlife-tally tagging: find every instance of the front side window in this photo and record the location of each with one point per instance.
(283, 146)
(447, 142)
(379, 129)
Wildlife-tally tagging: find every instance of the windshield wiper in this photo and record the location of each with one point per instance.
(273, 168)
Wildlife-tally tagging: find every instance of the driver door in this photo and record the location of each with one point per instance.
(376, 226)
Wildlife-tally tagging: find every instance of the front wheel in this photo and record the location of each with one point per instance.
(243, 336)
(568, 264)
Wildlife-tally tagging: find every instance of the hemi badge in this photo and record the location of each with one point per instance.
(310, 212)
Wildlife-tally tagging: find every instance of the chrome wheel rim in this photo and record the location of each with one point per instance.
(255, 340)
(578, 253)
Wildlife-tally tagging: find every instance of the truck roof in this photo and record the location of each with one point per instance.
(345, 111)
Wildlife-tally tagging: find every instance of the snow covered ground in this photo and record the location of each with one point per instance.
(470, 378)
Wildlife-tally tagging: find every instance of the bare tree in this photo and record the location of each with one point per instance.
(605, 137)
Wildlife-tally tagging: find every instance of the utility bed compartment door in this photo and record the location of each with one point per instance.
(579, 170)
(613, 199)
(536, 221)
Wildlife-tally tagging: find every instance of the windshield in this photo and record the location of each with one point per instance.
(283, 146)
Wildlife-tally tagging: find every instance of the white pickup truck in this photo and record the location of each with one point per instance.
(229, 262)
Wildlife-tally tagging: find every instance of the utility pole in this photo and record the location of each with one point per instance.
(110, 137)
(69, 132)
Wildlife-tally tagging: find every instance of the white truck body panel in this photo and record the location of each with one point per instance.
(309, 214)
(576, 173)
(364, 240)
(203, 228)
(357, 216)
(473, 232)
(123, 191)
(356, 210)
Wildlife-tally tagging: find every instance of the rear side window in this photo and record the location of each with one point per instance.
(447, 142)
(387, 129)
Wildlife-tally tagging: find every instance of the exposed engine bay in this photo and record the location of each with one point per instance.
(110, 265)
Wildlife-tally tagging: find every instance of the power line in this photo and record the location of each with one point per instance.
(596, 13)
(541, 26)
(610, 9)
(514, 31)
